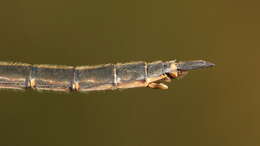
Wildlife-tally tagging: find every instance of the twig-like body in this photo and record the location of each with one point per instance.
(94, 78)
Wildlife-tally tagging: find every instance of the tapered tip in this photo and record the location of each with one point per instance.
(193, 65)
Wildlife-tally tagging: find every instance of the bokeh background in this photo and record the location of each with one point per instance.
(217, 107)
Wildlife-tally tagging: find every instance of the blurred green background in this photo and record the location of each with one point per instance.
(217, 107)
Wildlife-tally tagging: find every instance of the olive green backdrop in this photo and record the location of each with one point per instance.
(216, 107)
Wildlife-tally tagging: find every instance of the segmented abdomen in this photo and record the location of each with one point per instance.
(82, 78)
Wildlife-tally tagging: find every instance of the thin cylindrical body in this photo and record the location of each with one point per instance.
(84, 78)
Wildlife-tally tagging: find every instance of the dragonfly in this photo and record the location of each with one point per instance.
(95, 78)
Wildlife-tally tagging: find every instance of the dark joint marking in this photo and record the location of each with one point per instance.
(146, 74)
(74, 85)
(115, 76)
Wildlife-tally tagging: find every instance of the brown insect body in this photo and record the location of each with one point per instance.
(87, 78)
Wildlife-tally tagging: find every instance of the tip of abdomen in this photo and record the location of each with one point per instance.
(193, 65)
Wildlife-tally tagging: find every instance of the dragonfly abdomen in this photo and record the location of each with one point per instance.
(81, 78)
(94, 78)
(118, 76)
(14, 75)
